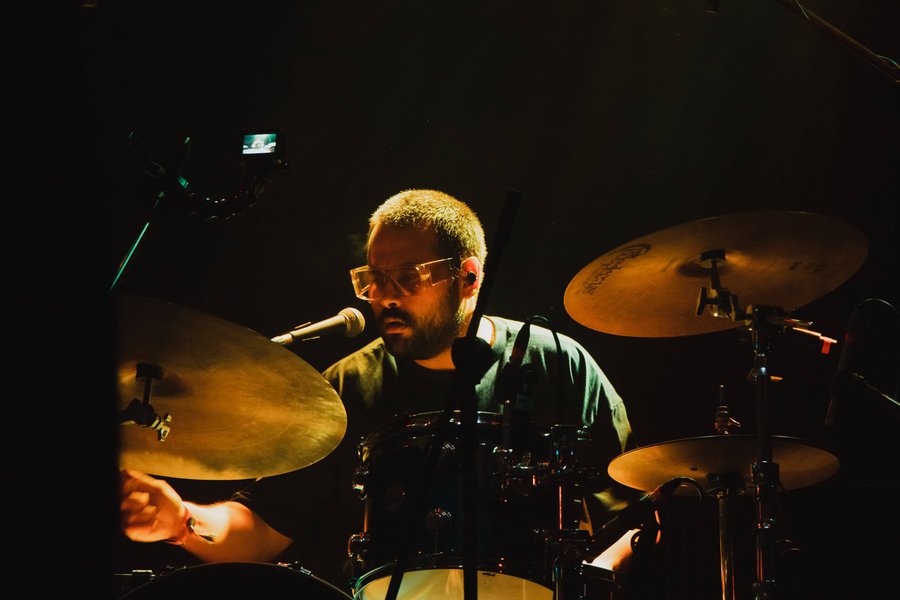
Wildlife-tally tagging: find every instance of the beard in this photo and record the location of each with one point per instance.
(431, 334)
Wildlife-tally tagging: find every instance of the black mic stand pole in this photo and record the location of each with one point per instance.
(256, 179)
(472, 357)
(154, 170)
(465, 355)
(885, 65)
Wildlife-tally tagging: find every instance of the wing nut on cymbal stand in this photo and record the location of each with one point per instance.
(720, 302)
(142, 413)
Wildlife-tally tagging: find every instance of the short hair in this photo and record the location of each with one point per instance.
(457, 227)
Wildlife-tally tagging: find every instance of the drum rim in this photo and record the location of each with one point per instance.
(412, 426)
(160, 582)
(492, 567)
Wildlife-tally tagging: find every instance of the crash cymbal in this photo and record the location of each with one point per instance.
(799, 463)
(241, 406)
(649, 287)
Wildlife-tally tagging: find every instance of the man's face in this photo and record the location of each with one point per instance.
(421, 326)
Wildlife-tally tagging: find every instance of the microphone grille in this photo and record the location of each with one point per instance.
(356, 323)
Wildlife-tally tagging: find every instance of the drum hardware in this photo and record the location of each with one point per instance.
(721, 467)
(723, 487)
(142, 412)
(125, 582)
(566, 551)
(762, 322)
(649, 287)
(236, 581)
(525, 473)
(723, 422)
(234, 404)
(528, 529)
(357, 548)
(781, 259)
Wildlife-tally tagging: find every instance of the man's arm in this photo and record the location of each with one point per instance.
(152, 511)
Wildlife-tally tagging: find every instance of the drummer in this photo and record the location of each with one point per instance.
(425, 254)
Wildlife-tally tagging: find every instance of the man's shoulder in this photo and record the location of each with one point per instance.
(540, 336)
(359, 361)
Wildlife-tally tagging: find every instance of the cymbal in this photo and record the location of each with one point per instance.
(241, 406)
(649, 287)
(799, 464)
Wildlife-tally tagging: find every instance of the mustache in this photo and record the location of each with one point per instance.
(396, 314)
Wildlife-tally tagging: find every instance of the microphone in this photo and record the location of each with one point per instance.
(635, 514)
(349, 323)
(863, 411)
(868, 363)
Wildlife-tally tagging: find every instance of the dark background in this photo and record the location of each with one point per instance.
(614, 120)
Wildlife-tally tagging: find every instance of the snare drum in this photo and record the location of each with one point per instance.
(237, 581)
(511, 560)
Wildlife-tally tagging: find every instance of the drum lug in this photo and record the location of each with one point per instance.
(447, 455)
(357, 546)
(360, 478)
(438, 522)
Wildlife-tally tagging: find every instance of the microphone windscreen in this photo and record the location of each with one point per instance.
(356, 323)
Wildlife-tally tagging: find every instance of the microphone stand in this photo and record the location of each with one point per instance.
(472, 357)
(883, 64)
(256, 180)
(153, 170)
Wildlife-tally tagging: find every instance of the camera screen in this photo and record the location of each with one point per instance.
(260, 143)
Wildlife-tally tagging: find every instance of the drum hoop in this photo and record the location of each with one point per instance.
(410, 427)
(163, 582)
(426, 563)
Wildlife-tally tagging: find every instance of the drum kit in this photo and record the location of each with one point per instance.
(203, 399)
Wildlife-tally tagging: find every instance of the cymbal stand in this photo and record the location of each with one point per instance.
(723, 487)
(764, 470)
(761, 321)
(568, 545)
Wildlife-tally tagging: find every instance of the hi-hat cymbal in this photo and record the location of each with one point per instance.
(705, 459)
(241, 406)
(649, 287)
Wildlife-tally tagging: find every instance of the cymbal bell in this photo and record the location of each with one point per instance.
(705, 459)
(241, 406)
(649, 287)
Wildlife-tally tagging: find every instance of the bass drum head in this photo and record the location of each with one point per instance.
(237, 580)
(447, 584)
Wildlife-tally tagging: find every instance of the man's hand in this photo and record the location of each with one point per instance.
(150, 509)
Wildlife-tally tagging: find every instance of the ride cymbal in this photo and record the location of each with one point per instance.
(650, 287)
(707, 459)
(241, 406)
